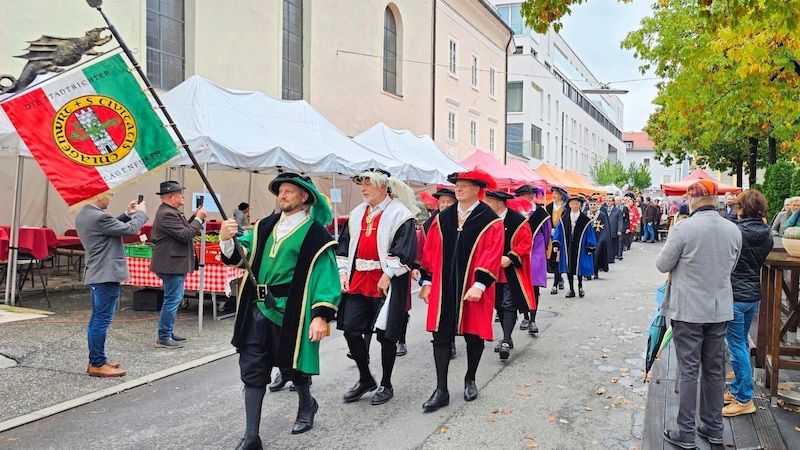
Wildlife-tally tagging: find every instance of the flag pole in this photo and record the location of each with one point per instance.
(97, 4)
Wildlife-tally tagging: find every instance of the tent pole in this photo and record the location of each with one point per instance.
(13, 238)
(46, 201)
(143, 76)
(335, 210)
(202, 266)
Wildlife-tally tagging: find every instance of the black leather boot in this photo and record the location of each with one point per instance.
(307, 407)
(250, 443)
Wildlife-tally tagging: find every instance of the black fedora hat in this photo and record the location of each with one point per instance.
(444, 191)
(167, 187)
(295, 179)
(499, 195)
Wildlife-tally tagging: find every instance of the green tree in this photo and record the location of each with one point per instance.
(605, 172)
(639, 177)
(777, 185)
(795, 188)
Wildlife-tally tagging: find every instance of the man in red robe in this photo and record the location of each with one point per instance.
(460, 262)
(514, 287)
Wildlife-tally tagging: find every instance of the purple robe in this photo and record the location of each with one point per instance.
(542, 226)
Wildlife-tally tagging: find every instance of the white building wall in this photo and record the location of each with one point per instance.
(658, 172)
(476, 32)
(571, 138)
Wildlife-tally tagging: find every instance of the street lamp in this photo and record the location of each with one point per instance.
(605, 89)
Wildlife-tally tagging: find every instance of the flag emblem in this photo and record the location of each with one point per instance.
(94, 130)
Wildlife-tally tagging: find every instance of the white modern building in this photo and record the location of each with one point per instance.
(549, 118)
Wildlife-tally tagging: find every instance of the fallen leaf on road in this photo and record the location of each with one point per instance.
(560, 386)
(443, 430)
(600, 391)
(563, 421)
(586, 408)
(491, 420)
(626, 400)
(533, 445)
(623, 369)
(530, 438)
(530, 383)
(796, 428)
(617, 404)
(523, 394)
(731, 375)
(641, 406)
(506, 411)
(614, 379)
(551, 418)
(494, 411)
(783, 387)
(605, 356)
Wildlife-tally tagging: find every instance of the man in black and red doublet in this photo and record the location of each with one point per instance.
(514, 289)
(461, 260)
(376, 250)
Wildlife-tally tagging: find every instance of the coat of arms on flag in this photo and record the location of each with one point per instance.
(91, 130)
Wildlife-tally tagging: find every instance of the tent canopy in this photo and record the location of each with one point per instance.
(522, 170)
(251, 130)
(680, 187)
(427, 160)
(506, 179)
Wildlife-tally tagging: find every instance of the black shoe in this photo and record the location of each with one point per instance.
(533, 329)
(497, 318)
(701, 431)
(278, 384)
(524, 324)
(402, 350)
(359, 389)
(581, 292)
(671, 436)
(452, 350)
(382, 395)
(293, 388)
(497, 347)
(561, 285)
(596, 277)
(571, 294)
(438, 399)
(554, 291)
(178, 337)
(470, 390)
(305, 418)
(504, 351)
(250, 443)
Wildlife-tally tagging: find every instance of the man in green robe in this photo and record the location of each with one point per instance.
(281, 320)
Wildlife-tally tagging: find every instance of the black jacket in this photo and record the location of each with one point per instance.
(756, 245)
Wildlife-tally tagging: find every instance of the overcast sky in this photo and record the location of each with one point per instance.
(594, 31)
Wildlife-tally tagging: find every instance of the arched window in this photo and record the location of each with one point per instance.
(390, 52)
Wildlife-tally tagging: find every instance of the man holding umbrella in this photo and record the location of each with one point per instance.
(700, 254)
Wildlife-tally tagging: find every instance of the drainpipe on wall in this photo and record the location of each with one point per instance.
(505, 104)
(433, 72)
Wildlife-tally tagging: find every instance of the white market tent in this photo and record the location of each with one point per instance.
(249, 130)
(428, 162)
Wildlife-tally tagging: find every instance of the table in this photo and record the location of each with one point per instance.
(35, 241)
(771, 326)
(69, 246)
(218, 278)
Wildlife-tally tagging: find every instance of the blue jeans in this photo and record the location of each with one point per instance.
(173, 294)
(648, 231)
(104, 303)
(739, 349)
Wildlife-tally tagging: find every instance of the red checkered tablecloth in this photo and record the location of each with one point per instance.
(217, 277)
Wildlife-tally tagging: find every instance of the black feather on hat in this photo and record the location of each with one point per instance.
(499, 195)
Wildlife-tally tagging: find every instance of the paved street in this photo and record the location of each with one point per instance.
(577, 385)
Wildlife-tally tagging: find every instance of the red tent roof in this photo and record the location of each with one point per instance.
(680, 187)
(506, 179)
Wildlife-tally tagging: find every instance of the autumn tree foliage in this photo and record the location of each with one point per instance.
(730, 77)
